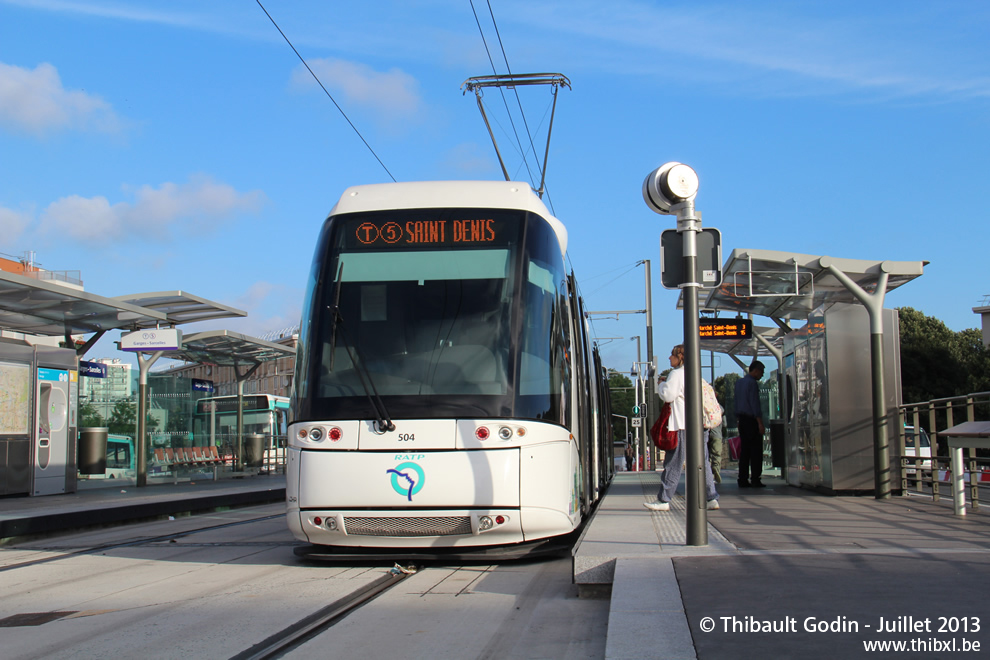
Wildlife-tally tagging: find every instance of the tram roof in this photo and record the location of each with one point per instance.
(448, 194)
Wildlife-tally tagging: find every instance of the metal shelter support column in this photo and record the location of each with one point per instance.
(141, 445)
(779, 356)
(874, 305)
(239, 462)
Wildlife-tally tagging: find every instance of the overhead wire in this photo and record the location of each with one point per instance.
(502, 93)
(320, 83)
(508, 68)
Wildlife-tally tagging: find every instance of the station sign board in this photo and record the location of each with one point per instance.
(151, 340)
(200, 385)
(725, 328)
(92, 369)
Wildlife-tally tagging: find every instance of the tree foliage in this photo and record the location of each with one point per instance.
(937, 362)
(90, 417)
(623, 399)
(123, 419)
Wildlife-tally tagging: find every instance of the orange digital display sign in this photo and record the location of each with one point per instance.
(725, 328)
(427, 233)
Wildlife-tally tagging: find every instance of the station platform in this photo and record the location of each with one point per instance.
(88, 507)
(779, 556)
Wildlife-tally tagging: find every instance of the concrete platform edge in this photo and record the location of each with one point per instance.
(36, 524)
(646, 617)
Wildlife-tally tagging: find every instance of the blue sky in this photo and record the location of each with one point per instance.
(182, 145)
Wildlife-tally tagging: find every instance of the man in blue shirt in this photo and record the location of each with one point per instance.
(749, 416)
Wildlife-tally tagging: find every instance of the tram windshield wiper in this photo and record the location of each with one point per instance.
(382, 419)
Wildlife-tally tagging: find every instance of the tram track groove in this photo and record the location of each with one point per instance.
(135, 542)
(309, 627)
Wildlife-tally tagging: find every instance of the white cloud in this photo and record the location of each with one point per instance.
(12, 225)
(153, 213)
(35, 101)
(392, 95)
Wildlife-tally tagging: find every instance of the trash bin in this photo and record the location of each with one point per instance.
(93, 450)
(254, 450)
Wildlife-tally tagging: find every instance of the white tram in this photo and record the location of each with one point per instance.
(447, 392)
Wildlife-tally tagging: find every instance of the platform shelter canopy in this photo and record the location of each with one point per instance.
(790, 286)
(225, 348)
(180, 307)
(38, 307)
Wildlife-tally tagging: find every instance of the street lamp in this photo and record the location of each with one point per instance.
(670, 190)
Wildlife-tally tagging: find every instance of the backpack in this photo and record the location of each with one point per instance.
(712, 414)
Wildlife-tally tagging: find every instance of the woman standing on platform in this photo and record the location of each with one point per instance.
(672, 391)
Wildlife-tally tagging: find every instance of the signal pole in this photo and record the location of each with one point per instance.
(670, 190)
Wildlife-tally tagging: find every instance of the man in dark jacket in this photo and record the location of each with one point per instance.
(749, 414)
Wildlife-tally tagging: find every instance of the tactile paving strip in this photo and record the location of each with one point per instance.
(670, 526)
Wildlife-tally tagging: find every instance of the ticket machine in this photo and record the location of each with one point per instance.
(55, 422)
(38, 394)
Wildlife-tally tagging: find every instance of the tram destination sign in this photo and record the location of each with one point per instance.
(444, 229)
(725, 328)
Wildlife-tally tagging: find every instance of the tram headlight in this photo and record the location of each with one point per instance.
(316, 434)
(505, 433)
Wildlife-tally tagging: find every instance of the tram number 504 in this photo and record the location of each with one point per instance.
(407, 437)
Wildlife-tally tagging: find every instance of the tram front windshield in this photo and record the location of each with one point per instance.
(443, 312)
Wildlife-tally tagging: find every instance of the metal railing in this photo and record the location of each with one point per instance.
(916, 472)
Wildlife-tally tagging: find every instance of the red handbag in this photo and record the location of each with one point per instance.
(664, 440)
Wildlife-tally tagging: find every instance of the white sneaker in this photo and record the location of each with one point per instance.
(657, 506)
(712, 505)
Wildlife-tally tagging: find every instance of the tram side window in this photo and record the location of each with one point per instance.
(543, 368)
(535, 372)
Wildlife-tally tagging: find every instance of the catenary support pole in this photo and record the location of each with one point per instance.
(651, 387)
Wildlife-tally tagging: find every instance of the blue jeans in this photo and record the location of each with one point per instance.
(673, 464)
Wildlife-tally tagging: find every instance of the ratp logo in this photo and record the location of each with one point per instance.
(407, 479)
